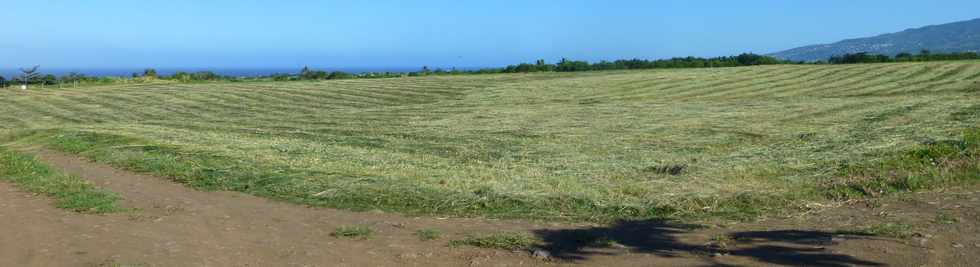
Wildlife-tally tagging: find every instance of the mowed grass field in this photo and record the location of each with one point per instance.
(583, 146)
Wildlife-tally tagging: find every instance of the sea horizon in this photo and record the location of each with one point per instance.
(10, 73)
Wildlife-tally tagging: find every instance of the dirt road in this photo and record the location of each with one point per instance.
(177, 226)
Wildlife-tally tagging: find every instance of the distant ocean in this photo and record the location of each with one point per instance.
(235, 72)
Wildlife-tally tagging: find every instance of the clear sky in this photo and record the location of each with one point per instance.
(378, 33)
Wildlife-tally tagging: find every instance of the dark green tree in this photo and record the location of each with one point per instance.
(205, 76)
(72, 78)
(30, 75)
(181, 76)
(150, 73)
(309, 74)
(49, 79)
(337, 75)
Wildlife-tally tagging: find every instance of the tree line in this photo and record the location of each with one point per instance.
(566, 65)
(306, 73)
(33, 77)
(924, 55)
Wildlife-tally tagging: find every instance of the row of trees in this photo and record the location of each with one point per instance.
(566, 65)
(28, 76)
(924, 55)
(309, 74)
(32, 76)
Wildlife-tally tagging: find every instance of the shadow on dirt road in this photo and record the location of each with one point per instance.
(784, 247)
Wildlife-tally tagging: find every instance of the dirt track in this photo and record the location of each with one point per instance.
(178, 226)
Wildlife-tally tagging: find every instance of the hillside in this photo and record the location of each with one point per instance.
(961, 36)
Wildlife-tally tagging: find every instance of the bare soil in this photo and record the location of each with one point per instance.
(173, 225)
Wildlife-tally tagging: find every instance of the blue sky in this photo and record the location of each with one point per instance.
(286, 34)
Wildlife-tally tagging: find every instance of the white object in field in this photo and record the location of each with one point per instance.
(23, 87)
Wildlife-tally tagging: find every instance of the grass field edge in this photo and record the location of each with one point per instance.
(69, 192)
(208, 172)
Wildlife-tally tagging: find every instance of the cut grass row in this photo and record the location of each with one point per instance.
(723, 88)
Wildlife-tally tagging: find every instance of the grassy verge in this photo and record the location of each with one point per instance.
(931, 165)
(71, 193)
(505, 241)
(205, 171)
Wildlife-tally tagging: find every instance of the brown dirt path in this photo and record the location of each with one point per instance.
(179, 226)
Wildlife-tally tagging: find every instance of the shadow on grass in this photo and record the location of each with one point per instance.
(657, 237)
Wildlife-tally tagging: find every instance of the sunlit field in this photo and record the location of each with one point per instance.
(590, 145)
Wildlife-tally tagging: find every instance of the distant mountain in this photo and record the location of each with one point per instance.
(961, 36)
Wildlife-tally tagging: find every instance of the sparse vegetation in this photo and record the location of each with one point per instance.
(353, 232)
(71, 193)
(428, 234)
(504, 241)
(944, 218)
(893, 230)
(932, 164)
(598, 146)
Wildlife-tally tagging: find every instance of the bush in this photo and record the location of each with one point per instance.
(352, 232)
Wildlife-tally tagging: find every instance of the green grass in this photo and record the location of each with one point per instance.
(353, 232)
(504, 241)
(943, 218)
(730, 142)
(69, 192)
(428, 234)
(931, 165)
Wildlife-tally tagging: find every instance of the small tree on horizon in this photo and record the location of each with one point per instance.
(29, 75)
(48, 80)
(73, 78)
(150, 73)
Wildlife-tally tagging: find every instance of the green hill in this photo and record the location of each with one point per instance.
(955, 37)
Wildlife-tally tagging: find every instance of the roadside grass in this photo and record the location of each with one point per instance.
(428, 234)
(69, 192)
(735, 143)
(893, 230)
(504, 241)
(353, 232)
(113, 263)
(931, 165)
(205, 171)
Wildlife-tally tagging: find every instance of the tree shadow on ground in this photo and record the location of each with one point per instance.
(787, 247)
